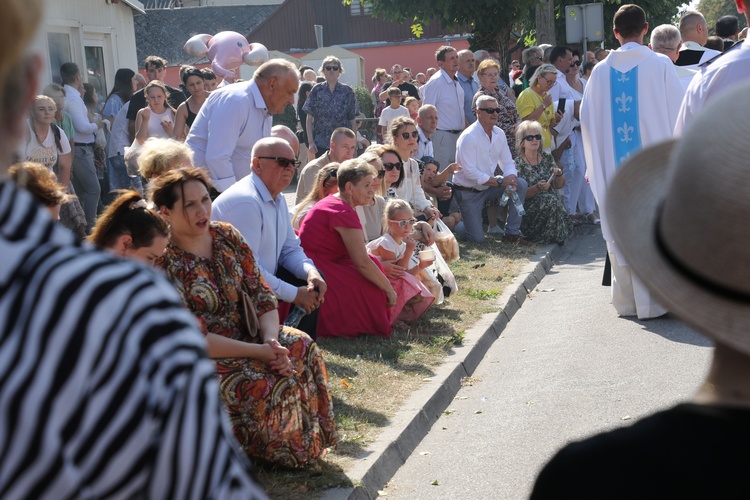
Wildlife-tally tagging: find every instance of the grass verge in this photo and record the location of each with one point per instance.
(371, 377)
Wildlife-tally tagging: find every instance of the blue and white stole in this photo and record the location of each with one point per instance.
(626, 130)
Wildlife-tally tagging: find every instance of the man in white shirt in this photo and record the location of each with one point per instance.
(427, 121)
(631, 101)
(481, 148)
(236, 116)
(730, 69)
(445, 93)
(85, 179)
(256, 206)
(694, 33)
(562, 59)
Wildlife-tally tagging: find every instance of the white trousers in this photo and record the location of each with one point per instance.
(629, 295)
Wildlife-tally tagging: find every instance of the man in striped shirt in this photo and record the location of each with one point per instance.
(105, 386)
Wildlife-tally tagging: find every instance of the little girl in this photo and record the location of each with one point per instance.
(412, 105)
(397, 246)
(157, 119)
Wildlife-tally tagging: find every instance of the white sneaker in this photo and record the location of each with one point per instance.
(494, 230)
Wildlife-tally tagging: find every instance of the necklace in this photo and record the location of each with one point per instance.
(536, 158)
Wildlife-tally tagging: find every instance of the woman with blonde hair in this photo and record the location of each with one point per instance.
(160, 155)
(156, 119)
(325, 184)
(535, 103)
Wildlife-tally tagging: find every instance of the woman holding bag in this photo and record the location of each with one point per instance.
(274, 386)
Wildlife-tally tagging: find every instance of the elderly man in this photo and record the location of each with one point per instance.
(284, 132)
(665, 39)
(694, 33)
(256, 206)
(631, 101)
(481, 148)
(133, 413)
(399, 81)
(590, 57)
(468, 82)
(84, 177)
(532, 58)
(330, 105)
(445, 93)
(427, 121)
(235, 117)
(342, 147)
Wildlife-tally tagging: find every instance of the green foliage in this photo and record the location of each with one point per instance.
(288, 118)
(714, 9)
(365, 101)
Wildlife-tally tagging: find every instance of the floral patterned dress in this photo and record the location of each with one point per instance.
(546, 219)
(283, 420)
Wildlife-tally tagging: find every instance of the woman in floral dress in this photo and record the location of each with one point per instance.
(546, 219)
(275, 388)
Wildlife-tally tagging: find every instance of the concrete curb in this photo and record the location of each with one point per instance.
(414, 420)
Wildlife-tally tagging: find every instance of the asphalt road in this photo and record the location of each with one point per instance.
(564, 368)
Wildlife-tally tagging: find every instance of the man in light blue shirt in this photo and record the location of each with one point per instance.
(468, 82)
(256, 206)
(236, 116)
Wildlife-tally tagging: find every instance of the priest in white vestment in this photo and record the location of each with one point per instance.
(631, 101)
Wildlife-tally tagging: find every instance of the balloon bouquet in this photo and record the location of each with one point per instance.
(227, 51)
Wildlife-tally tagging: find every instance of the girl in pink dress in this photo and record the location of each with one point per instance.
(397, 246)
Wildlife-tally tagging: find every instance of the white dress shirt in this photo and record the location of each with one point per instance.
(561, 90)
(230, 122)
(425, 147)
(74, 105)
(478, 155)
(446, 94)
(265, 224)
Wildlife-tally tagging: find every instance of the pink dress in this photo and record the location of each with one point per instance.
(406, 287)
(353, 305)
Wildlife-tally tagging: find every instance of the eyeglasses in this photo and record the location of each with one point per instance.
(537, 137)
(397, 72)
(283, 162)
(537, 58)
(490, 111)
(405, 135)
(551, 83)
(391, 166)
(332, 68)
(402, 223)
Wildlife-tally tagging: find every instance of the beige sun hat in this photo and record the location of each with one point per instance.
(680, 213)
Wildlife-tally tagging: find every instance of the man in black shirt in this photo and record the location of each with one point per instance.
(398, 81)
(155, 67)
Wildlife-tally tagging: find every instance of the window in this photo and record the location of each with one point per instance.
(59, 53)
(95, 72)
(360, 8)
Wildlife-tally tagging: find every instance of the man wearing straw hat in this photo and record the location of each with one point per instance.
(631, 101)
(693, 255)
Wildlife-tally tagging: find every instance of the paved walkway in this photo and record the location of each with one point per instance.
(565, 367)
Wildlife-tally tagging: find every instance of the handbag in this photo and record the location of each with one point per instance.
(248, 321)
(446, 242)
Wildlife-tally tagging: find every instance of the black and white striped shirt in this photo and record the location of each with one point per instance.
(105, 387)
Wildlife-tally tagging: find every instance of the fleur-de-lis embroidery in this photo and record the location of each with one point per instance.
(625, 130)
(623, 78)
(624, 100)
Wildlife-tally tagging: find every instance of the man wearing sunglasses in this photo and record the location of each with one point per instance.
(481, 148)
(236, 116)
(330, 105)
(342, 146)
(256, 206)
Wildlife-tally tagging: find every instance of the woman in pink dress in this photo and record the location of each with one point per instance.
(359, 294)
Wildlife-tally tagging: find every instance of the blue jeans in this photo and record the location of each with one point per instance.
(86, 183)
(118, 175)
(471, 205)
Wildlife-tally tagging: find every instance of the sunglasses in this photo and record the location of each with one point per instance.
(405, 135)
(283, 162)
(490, 111)
(332, 68)
(391, 166)
(402, 223)
(575, 63)
(537, 137)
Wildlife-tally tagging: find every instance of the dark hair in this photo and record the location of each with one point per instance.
(40, 181)
(128, 214)
(164, 188)
(392, 149)
(88, 96)
(442, 51)
(68, 72)
(123, 86)
(629, 21)
(394, 91)
(715, 42)
(192, 72)
(557, 52)
(157, 61)
(304, 88)
(587, 66)
(302, 70)
(727, 26)
(430, 159)
(208, 74)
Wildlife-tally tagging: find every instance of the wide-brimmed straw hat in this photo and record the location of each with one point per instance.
(680, 213)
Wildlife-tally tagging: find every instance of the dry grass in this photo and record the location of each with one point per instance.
(371, 377)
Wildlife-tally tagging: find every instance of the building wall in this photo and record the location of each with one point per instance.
(106, 29)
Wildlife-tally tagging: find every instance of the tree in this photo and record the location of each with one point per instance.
(712, 10)
(490, 21)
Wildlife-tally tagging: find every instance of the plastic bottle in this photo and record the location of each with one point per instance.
(517, 203)
(295, 316)
(506, 196)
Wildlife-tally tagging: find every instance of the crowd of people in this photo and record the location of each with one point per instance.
(190, 180)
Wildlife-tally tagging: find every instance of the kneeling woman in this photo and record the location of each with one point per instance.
(275, 385)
